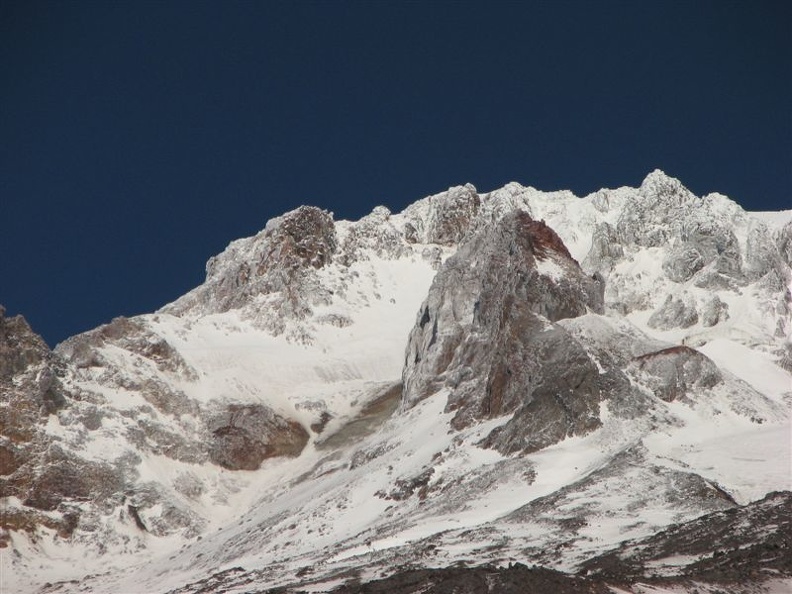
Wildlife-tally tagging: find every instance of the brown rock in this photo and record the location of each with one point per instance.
(243, 436)
(486, 332)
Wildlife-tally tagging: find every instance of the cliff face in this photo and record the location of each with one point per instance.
(487, 333)
(31, 392)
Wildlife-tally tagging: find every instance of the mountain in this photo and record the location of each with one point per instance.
(518, 388)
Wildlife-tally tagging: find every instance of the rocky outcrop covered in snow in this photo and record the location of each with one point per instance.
(732, 549)
(486, 333)
(673, 372)
(705, 245)
(278, 266)
(530, 320)
(243, 436)
(31, 470)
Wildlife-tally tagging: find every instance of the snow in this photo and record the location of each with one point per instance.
(550, 268)
(755, 368)
(334, 508)
(773, 219)
(747, 463)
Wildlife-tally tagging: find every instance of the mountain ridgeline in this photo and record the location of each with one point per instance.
(519, 388)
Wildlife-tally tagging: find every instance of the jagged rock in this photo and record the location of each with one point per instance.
(715, 243)
(664, 211)
(84, 350)
(783, 241)
(675, 371)
(737, 549)
(65, 478)
(674, 313)
(30, 391)
(450, 216)
(682, 262)
(650, 217)
(486, 332)
(605, 249)
(279, 263)
(761, 255)
(377, 234)
(243, 436)
(514, 579)
(149, 357)
(714, 312)
(111, 437)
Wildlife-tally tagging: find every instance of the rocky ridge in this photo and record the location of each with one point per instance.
(548, 321)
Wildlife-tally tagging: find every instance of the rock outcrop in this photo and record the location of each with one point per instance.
(487, 334)
(674, 313)
(32, 469)
(271, 277)
(243, 436)
(450, 217)
(673, 372)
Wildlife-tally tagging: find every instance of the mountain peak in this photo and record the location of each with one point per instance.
(514, 375)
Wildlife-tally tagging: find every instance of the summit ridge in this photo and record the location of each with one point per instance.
(488, 380)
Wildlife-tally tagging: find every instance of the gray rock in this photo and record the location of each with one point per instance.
(281, 260)
(605, 250)
(376, 234)
(486, 332)
(783, 241)
(761, 253)
(714, 312)
(450, 216)
(243, 436)
(715, 242)
(682, 262)
(673, 372)
(674, 313)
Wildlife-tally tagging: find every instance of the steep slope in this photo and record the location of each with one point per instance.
(573, 377)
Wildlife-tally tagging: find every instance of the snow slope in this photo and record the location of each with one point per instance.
(321, 342)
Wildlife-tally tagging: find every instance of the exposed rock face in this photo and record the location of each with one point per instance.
(486, 333)
(674, 313)
(374, 233)
(783, 241)
(512, 331)
(245, 435)
(515, 579)
(714, 311)
(605, 249)
(130, 335)
(451, 215)
(665, 212)
(705, 244)
(30, 391)
(53, 405)
(651, 218)
(682, 262)
(271, 276)
(674, 371)
(32, 469)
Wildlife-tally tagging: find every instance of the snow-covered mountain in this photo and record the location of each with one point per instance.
(516, 377)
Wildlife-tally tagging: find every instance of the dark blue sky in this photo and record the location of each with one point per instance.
(138, 138)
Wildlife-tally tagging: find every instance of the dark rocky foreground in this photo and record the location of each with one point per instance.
(516, 579)
(736, 551)
(745, 545)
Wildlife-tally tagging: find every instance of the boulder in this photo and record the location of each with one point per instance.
(243, 436)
